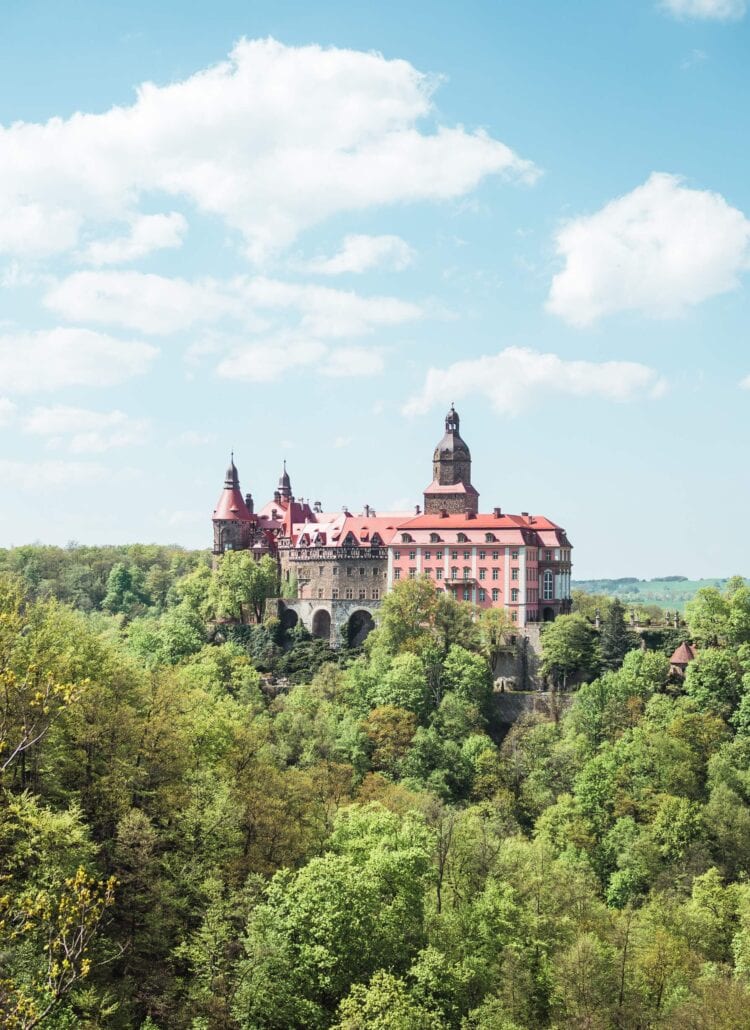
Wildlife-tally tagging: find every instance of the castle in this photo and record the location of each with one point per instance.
(335, 567)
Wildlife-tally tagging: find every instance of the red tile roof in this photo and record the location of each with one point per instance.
(683, 655)
(231, 506)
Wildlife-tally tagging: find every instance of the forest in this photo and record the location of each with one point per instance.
(209, 822)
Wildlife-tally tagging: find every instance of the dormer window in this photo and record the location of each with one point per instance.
(462, 538)
(434, 538)
(490, 538)
(407, 538)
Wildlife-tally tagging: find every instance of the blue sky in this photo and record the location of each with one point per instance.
(320, 224)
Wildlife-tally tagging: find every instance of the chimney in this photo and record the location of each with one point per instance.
(497, 513)
(317, 507)
(417, 510)
(367, 511)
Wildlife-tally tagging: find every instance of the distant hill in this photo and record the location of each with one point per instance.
(668, 592)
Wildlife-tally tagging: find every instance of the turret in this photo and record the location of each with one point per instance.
(231, 518)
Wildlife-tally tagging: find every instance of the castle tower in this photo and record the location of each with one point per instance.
(231, 519)
(451, 490)
(285, 486)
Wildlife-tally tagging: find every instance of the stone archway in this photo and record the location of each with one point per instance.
(548, 614)
(321, 624)
(361, 624)
(289, 618)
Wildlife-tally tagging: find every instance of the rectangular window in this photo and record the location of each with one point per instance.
(514, 553)
(335, 570)
(467, 573)
(349, 571)
(396, 555)
(376, 595)
(439, 555)
(362, 595)
(412, 573)
(483, 573)
(482, 594)
(361, 572)
(548, 555)
(320, 570)
(467, 594)
(397, 573)
(439, 573)
(514, 616)
(320, 591)
(496, 573)
(454, 555)
(335, 594)
(348, 593)
(482, 555)
(454, 573)
(427, 555)
(495, 555)
(514, 573)
(467, 555)
(412, 555)
(514, 594)
(495, 594)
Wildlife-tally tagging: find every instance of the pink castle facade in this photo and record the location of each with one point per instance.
(335, 567)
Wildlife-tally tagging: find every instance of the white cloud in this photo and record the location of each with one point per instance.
(29, 475)
(657, 250)
(264, 362)
(359, 253)
(147, 234)
(56, 358)
(273, 141)
(85, 431)
(345, 362)
(158, 304)
(7, 410)
(517, 377)
(135, 300)
(192, 438)
(745, 383)
(719, 10)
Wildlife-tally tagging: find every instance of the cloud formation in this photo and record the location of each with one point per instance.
(272, 141)
(518, 377)
(84, 431)
(659, 250)
(160, 304)
(716, 10)
(360, 253)
(27, 475)
(53, 359)
(147, 234)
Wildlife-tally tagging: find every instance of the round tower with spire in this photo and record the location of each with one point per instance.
(233, 522)
(450, 490)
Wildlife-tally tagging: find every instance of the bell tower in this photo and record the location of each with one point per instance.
(451, 490)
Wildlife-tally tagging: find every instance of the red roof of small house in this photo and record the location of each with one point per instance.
(683, 655)
(231, 506)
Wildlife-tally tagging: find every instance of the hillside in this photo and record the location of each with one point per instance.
(670, 592)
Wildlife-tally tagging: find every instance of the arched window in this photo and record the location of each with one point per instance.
(490, 538)
(547, 586)
(462, 538)
(407, 538)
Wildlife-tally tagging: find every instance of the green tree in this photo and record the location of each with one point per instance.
(241, 582)
(615, 639)
(568, 649)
